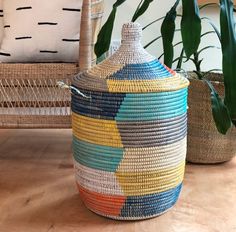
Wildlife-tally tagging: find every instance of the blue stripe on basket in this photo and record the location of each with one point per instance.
(136, 113)
(105, 105)
(151, 106)
(149, 205)
(97, 156)
(145, 71)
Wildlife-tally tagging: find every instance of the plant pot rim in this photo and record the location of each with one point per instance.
(216, 78)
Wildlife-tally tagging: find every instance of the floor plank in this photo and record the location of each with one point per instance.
(38, 193)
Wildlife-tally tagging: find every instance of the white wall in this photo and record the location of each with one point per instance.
(212, 57)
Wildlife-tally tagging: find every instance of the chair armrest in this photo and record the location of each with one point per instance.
(85, 36)
(92, 12)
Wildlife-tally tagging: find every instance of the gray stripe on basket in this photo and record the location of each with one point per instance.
(24, 8)
(151, 127)
(148, 141)
(154, 133)
(145, 124)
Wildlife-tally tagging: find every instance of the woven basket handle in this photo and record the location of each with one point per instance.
(85, 45)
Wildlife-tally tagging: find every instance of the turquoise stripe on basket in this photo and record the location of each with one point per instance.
(125, 112)
(146, 114)
(97, 156)
(160, 95)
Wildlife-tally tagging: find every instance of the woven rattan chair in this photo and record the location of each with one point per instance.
(29, 95)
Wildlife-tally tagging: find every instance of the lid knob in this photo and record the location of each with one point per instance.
(131, 32)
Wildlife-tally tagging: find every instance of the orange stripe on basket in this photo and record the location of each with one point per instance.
(104, 204)
(170, 70)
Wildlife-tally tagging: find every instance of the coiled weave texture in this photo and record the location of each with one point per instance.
(129, 135)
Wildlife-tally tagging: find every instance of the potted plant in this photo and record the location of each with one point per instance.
(212, 113)
(212, 96)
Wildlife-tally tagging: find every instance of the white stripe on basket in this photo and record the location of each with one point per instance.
(97, 180)
(154, 158)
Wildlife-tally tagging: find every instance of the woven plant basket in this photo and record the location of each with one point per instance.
(205, 144)
(129, 134)
(29, 95)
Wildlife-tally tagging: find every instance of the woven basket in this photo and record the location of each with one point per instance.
(29, 95)
(205, 144)
(130, 133)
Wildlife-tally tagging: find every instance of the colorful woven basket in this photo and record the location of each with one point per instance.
(129, 135)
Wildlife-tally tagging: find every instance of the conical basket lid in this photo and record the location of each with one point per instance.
(131, 69)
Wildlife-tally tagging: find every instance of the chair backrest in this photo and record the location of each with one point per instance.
(92, 11)
(29, 95)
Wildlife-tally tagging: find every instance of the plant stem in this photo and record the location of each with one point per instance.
(197, 64)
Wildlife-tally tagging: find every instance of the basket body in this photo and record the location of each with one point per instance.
(205, 144)
(129, 135)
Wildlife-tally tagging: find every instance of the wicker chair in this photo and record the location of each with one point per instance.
(29, 95)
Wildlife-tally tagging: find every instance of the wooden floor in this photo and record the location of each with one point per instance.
(38, 192)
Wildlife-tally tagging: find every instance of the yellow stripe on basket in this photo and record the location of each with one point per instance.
(82, 130)
(143, 183)
(142, 86)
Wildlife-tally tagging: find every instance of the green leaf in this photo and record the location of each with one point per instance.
(205, 48)
(199, 74)
(141, 9)
(155, 39)
(154, 21)
(206, 33)
(137, 9)
(175, 45)
(167, 32)
(104, 37)
(219, 110)
(208, 4)
(118, 3)
(228, 43)
(152, 41)
(101, 58)
(190, 26)
(210, 71)
(180, 61)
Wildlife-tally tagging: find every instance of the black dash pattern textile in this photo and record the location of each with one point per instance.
(39, 30)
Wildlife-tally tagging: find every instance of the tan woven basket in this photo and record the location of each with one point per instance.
(205, 144)
(29, 96)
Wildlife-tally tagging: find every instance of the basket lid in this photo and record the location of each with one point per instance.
(131, 69)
